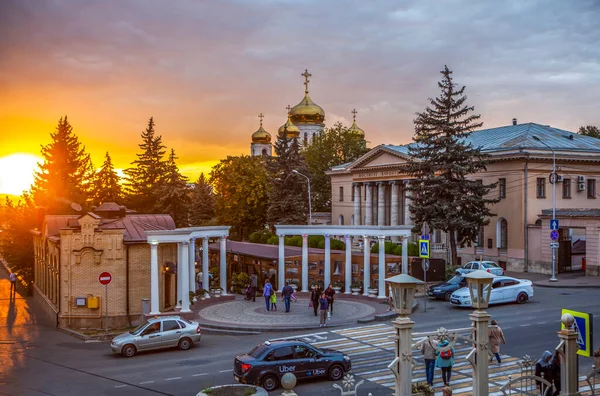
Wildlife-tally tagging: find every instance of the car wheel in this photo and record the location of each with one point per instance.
(522, 298)
(447, 296)
(336, 372)
(129, 350)
(185, 344)
(269, 382)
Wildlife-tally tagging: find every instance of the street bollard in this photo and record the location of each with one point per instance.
(288, 382)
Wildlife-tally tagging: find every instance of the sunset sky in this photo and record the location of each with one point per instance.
(205, 69)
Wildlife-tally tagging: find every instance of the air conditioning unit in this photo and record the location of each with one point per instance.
(580, 179)
(580, 186)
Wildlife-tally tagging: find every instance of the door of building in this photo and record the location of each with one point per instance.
(563, 253)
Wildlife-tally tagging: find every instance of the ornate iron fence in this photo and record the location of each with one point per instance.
(591, 379)
(527, 383)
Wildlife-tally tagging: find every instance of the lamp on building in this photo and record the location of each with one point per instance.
(480, 288)
(403, 293)
(166, 267)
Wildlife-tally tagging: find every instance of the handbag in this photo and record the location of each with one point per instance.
(310, 304)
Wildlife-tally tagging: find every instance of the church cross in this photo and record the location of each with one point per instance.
(306, 74)
(261, 116)
(289, 108)
(354, 112)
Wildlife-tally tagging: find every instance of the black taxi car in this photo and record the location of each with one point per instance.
(268, 362)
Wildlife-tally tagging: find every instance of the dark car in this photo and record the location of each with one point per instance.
(444, 290)
(268, 362)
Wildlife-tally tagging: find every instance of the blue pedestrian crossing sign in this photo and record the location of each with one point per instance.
(423, 248)
(584, 327)
(554, 224)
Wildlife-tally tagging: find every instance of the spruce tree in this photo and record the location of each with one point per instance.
(66, 174)
(202, 209)
(288, 198)
(107, 184)
(441, 162)
(174, 194)
(142, 182)
(589, 130)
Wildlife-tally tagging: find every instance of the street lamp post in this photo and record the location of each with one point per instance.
(554, 179)
(309, 204)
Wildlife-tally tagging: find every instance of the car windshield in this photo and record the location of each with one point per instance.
(258, 351)
(491, 265)
(138, 329)
(455, 280)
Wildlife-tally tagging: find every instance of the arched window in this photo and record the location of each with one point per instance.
(538, 222)
(502, 234)
(264, 152)
(341, 219)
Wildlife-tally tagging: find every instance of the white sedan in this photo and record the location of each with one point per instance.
(504, 290)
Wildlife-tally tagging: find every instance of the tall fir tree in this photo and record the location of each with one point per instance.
(174, 196)
(441, 162)
(107, 184)
(143, 181)
(202, 209)
(66, 175)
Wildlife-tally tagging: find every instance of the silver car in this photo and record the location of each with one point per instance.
(156, 333)
(488, 266)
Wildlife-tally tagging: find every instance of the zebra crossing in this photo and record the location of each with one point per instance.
(371, 349)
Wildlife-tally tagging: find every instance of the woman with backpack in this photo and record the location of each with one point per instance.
(445, 360)
(267, 293)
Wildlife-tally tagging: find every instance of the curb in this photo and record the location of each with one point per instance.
(84, 337)
(384, 317)
(557, 285)
(221, 329)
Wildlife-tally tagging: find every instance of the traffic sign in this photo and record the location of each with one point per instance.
(425, 237)
(423, 248)
(584, 327)
(425, 265)
(554, 235)
(554, 245)
(554, 224)
(105, 278)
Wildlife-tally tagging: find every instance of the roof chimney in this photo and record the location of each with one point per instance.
(514, 121)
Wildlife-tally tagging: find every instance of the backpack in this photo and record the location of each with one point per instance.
(446, 354)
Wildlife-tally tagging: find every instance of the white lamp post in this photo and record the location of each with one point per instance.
(309, 204)
(403, 292)
(480, 286)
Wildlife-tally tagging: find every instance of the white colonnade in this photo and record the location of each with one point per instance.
(387, 209)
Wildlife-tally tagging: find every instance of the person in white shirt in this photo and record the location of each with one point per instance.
(199, 276)
(13, 282)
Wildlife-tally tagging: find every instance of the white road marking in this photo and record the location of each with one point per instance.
(120, 386)
(226, 371)
(146, 382)
(525, 325)
(172, 379)
(199, 375)
(542, 322)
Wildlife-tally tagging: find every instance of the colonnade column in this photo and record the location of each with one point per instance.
(405, 255)
(185, 292)
(154, 309)
(357, 204)
(394, 204)
(407, 220)
(223, 264)
(327, 269)
(281, 263)
(367, 264)
(380, 204)
(348, 270)
(192, 262)
(369, 204)
(304, 262)
(205, 272)
(179, 275)
(381, 267)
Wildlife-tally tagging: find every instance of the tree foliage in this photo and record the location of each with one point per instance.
(66, 175)
(202, 210)
(174, 196)
(241, 187)
(107, 184)
(335, 146)
(16, 223)
(441, 161)
(589, 130)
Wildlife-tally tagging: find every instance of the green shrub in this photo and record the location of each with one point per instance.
(294, 241)
(390, 247)
(239, 282)
(274, 240)
(413, 249)
(397, 250)
(314, 241)
(337, 244)
(261, 236)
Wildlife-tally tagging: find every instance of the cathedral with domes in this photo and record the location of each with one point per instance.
(305, 121)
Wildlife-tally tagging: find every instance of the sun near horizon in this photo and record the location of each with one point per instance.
(17, 173)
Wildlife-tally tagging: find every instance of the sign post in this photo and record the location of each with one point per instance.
(425, 266)
(105, 278)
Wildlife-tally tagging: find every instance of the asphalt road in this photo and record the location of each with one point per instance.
(43, 361)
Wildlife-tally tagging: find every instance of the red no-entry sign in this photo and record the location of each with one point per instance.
(104, 278)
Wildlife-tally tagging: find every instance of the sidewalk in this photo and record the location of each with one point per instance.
(568, 280)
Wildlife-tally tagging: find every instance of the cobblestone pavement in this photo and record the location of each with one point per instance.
(247, 313)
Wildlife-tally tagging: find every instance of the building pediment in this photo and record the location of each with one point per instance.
(379, 157)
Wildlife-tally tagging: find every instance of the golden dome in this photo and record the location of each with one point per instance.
(261, 136)
(289, 129)
(307, 112)
(354, 128)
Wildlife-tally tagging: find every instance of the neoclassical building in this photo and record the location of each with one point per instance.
(372, 191)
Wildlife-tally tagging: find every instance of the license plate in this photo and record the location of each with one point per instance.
(455, 301)
(430, 293)
(236, 378)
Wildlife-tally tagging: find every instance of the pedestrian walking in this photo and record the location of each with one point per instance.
(330, 293)
(390, 300)
(428, 352)
(286, 295)
(445, 360)
(543, 369)
(556, 373)
(274, 302)
(267, 293)
(199, 277)
(253, 285)
(495, 335)
(315, 294)
(13, 282)
(323, 305)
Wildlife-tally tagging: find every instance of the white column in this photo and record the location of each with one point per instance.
(185, 268)
(348, 270)
(179, 272)
(381, 267)
(205, 272)
(357, 204)
(223, 264)
(327, 269)
(154, 309)
(368, 205)
(192, 264)
(394, 204)
(281, 263)
(304, 262)
(407, 220)
(405, 255)
(367, 264)
(381, 204)
(481, 370)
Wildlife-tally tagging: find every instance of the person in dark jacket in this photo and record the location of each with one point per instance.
(286, 294)
(556, 373)
(330, 293)
(323, 305)
(543, 369)
(315, 294)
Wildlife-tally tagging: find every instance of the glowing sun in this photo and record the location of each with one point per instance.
(16, 172)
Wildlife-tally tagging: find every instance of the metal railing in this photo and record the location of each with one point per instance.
(591, 380)
(527, 383)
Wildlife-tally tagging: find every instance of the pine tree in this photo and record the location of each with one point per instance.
(441, 161)
(288, 199)
(107, 183)
(66, 175)
(174, 194)
(144, 179)
(202, 209)
(589, 130)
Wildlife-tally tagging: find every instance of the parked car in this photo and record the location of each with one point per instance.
(488, 266)
(443, 291)
(268, 362)
(157, 333)
(504, 290)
